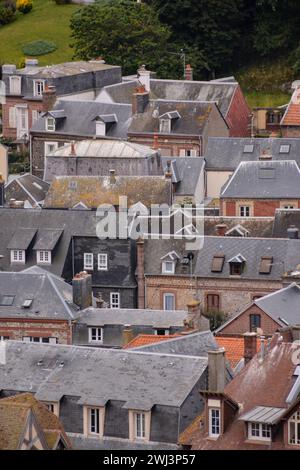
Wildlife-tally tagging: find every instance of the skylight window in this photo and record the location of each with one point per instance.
(284, 149)
(27, 303)
(7, 300)
(248, 148)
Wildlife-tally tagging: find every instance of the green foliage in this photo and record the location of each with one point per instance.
(62, 2)
(37, 48)
(216, 318)
(7, 12)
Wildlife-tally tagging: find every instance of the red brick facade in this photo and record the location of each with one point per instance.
(238, 116)
(11, 101)
(258, 207)
(170, 145)
(16, 329)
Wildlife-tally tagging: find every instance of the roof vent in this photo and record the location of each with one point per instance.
(61, 364)
(40, 362)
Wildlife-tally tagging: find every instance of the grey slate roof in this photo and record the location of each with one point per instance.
(79, 372)
(66, 69)
(47, 239)
(185, 172)
(51, 296)
(225, 153)
(80, 442)
(21, 239)
(256, 226)
(264, 180)
(80, 119)
(283, 305)
(154, 318)
(285, 218)
(30, 188)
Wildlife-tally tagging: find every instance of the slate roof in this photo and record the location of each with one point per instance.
(194, 116)
(185, 173)
(79, 371)
(264, 180)
(51, 296)
(87, 443)
(67, 191)
(80, 119)
(282, 305)
(30, 188)
(153, 318)
(180, 90)
(65, 69)
(284, 219)
(226, 153)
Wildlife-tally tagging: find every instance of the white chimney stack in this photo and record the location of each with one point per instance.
(144, 77)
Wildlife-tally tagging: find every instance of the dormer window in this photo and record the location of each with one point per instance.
(237, 264)
(139, 425)
(214, 422)
(17, 256)
(15, 85)
(294, 429)
(38, 87)
(43, 257)
(259, 431)
(50, 124)
(104, 123)
(169, 263)
(165, 126)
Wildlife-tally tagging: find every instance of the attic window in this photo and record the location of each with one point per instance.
(165, 126)
(284, 149)
(259, 431)
(7, 300)
(237, 265)
(217, 263)
(248, 148)
(27, 303)
(265, 264)
(168, 267)
(50, 124)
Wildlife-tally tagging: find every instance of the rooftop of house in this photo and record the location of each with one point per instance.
(52, 371)
(65, 69)
(240, 226)
(291, 116)
(30, 189)
(80, 119)
(125, 316)
(226, 153)
(234, 348)
(186, 173)
(264, 180)
(146, 340)
(35, 293)
(185, 117)
(266, 381)
(179, 90)
(284, 220)
(14, 412)
(67, 191)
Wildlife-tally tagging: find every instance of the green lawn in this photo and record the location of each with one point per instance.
(46, 21)
(264, 99)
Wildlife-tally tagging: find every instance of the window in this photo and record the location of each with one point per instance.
(38, 87)
(244, 211)
(217, 264)
(102, 262)
(162, 332)
(255, 321)
(95, 335)
(236, 269)
(15, 85)
(39, 339)
(140, 425)
(43, 257)
(266, 263)
(50, 124)
(284, 149)
(259, 431)
(35, 115)
(88, 261)
(4, 338)
(7, 300)
(27, 303)
(294, 429)
(213, 302)
(169, 301)
(50, 147)
(248, 148)
(168, 267)
(94, 421)
(17, 256)
(191, 153)
(12, 118)
(165, 126)
(50, 407)
(288, 206)
(114, 300)
(214, 422)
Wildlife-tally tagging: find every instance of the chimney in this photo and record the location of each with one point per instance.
(140, 272)
(155, 145)
(99, 301)
(127, 335)
(216, 370)
(2, 191)
(168, 172)
(73, 150)
(193, 320)
(82, 290)
(262, 352)
(221, 230)
(293, 232)
(250, 346)
(112, 176)
(265, 155)
(140, 100)
(49, 98)
(188, 72)
(144, 77)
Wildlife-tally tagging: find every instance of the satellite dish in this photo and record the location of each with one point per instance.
(155, 114)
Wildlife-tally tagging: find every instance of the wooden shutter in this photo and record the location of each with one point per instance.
(12, 117)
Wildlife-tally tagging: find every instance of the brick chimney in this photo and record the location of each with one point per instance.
(250, 346)
(82, 290)
(193, 320)
(144, 77)
(140, 100)
(216, 370)
(140, 271)
(155, 145)
(188, 72)
(49, 98)
(127, 335)
(99, 301)
(221, 230)
(2, 191)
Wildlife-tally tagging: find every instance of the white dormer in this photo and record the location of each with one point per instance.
(50, 124)
(15, 85)
(169, 262)
(104, 123)
(166, 120)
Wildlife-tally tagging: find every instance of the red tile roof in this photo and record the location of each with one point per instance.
(234, 348)
(292, 114)
(144, 340)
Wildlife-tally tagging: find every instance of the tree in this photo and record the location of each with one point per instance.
(125, 33)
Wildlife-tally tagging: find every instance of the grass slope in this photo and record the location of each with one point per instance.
(46, 21)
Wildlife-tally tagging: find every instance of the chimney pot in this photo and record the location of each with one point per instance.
(49, 98)
(140, 100)
(250, 346)
(144, 77)
(140, 270)
(221, 230)
(188, 72)
(193, 319)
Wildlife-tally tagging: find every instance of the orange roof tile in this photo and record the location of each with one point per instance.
(144, 340)
(234, 348)
(292, 115)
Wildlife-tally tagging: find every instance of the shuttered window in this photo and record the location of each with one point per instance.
(12, 118)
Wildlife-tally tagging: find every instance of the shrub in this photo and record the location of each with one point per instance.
(36, 48)
(62, 2)
(24, 6)
(7, 13)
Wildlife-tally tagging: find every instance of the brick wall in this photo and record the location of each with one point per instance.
(259, 207)
(288, 131)
(17, 328)
(169, 146)
(241, 324)
(238, 116)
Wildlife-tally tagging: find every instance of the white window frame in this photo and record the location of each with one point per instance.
(95, 336)
(102, 262)
(259, 429)
(50, 127)
(295, 419)
(47, 145)
(43, 257)
(88, 266)
(113, 302)
(165, 295)
(17, 256)
(166, 330)
(164, 267)
(139, 425)
(12, 117)
(88, 410)
(165, 126)
(30, 339)
(244, 209)
(213, 426)
(16, 79)
(36, 85)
